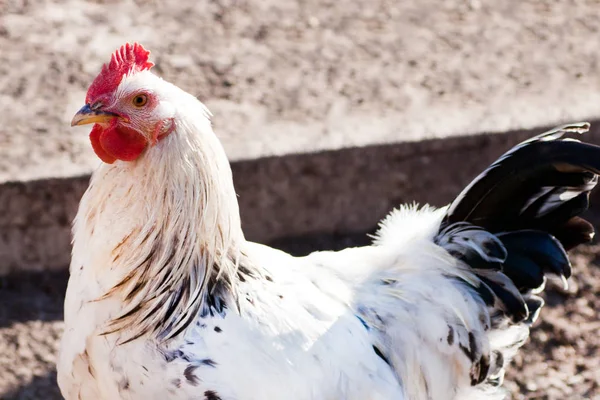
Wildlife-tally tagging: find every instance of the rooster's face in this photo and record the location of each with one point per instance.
(128, 106)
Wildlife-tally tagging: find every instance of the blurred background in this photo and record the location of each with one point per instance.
(332, 112)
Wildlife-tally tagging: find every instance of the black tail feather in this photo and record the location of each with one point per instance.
(510, 301)
(574, 232)
(534, 304)
(540, 248)
(540, 184)
(512, 224)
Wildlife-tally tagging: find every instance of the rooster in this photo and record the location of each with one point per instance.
(167, 300)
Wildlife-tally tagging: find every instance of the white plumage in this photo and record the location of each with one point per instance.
(168, 300)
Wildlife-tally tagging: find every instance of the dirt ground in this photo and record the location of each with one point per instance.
(300, 75)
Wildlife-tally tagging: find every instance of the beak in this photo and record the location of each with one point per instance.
(88, 116)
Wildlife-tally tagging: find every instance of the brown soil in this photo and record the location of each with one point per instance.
(300, 75)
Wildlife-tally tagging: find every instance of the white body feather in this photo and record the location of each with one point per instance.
(305, 328)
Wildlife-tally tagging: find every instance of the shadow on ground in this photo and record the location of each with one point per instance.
(32, 296)
(41, 387)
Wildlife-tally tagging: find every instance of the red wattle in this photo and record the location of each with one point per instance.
(122, 143)
(117, 143)
(95, 139)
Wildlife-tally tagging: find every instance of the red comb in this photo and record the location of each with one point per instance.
(127, 59)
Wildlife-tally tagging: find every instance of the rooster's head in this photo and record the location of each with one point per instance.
(129, 105)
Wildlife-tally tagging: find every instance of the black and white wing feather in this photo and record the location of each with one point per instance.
(513, 224)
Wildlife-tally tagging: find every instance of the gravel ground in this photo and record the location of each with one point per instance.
(559, 362)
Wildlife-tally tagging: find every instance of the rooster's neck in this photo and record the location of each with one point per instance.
(167, 227)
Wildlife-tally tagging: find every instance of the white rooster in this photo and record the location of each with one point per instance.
(167, 300)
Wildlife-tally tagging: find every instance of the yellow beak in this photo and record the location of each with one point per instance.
(88, 116)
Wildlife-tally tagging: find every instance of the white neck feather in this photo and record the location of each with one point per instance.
(170, 230)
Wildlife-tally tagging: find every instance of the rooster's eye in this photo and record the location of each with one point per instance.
(140, 100)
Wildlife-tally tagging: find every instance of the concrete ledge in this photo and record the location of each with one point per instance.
(350, 190)
(341, 191)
